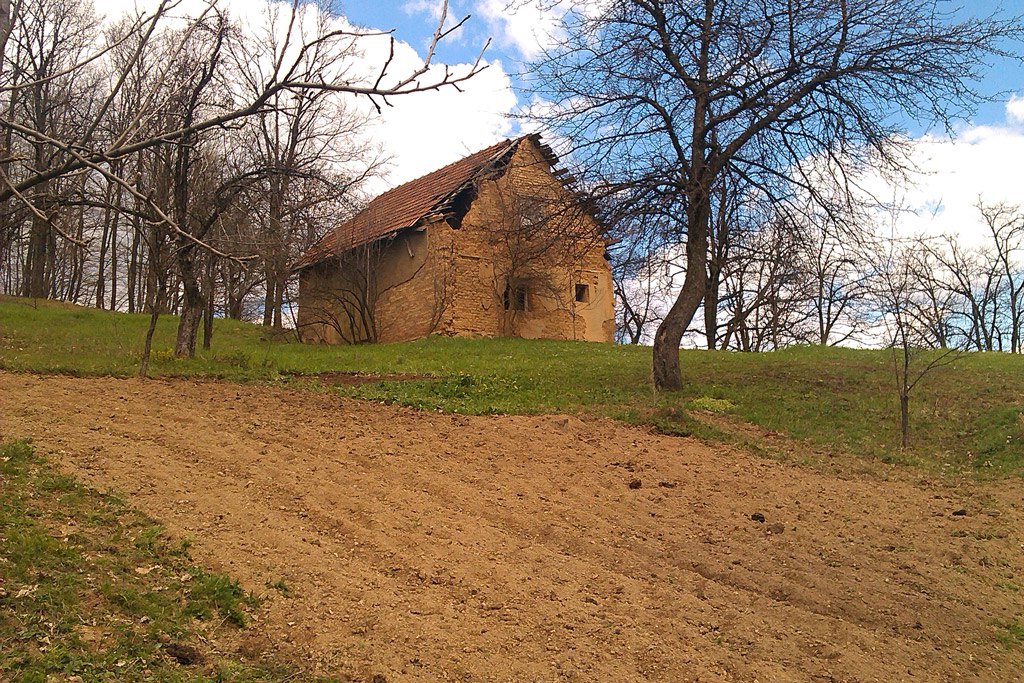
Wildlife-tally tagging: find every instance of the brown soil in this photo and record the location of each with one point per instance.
(421, 546)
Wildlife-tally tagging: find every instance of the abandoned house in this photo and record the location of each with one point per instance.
(494, 244)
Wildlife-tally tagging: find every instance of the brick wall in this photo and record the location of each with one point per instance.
(452, 280)
(550, 270)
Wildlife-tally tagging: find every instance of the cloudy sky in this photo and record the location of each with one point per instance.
(983, 159)
(425, 131)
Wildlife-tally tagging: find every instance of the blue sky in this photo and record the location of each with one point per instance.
(981, 160)
(413, 22)
(1005, 75)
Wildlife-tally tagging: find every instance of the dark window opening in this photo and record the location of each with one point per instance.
(516, 298)
(583, 293)
(531, 212)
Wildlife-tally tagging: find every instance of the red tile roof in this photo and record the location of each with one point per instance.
(406, 206)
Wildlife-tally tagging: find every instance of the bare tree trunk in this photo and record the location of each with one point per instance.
(192, 303)
(268, 299)
(278, 304)
(147, 347)
(133, 267)
(904, 420)
(711, 309)
(6, 26)
(35, 264)
(79, 272)
(101, 265)
(118, 198)
(156, 290)
(667, 375)
(211, 286)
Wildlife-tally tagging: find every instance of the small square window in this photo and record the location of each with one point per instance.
(516, 298)
(583, 293)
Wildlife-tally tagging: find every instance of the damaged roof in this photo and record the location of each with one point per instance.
(417, 202)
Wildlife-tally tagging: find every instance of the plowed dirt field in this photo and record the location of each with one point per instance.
(430, 547)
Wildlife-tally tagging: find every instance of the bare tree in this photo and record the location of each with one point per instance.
(312, 143)
(974, 281)
(1006, 227)
(643, 279)
(938, 309)
(664, 97)
(765, 290)
(898, 298)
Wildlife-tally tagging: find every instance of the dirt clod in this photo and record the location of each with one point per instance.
(757, 517)
(776, 528)
(635, 484)
(960, 513)
(186, 655)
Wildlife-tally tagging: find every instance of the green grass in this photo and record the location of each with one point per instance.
(964, 417)
(93, 589)
(1010, 634)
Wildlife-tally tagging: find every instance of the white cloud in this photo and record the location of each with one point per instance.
(1015, 109)
(428, 130)
(420, 131)
(528, 26)
(980, 163)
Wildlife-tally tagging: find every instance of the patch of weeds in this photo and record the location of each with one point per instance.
(1010, 634)
(162, 356)
(718, 406)
(676, 421)
(16, 452)
(153, 539)
(209, 593)
(150, 539)
(92, 589)
(1008, 586)
(280, 586)
(56, 483)
(989, 534)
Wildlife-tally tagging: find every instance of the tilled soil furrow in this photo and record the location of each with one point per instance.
(421, 546)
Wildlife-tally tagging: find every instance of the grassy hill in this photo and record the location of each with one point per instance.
(966, 416)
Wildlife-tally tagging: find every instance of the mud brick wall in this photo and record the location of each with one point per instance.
(452, 280)
(484, 264)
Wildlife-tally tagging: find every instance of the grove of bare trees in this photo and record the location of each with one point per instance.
(672, 105)
(790, 281)
(179, 158)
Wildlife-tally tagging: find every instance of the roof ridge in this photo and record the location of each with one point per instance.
(446, 167)
(403, 206)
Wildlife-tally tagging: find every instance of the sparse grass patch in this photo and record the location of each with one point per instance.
(965, 417)
(674, 420)
(1010, 634)
(93, 589)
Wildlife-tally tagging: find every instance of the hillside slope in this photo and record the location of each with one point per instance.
(964, 417)
(418, 546)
